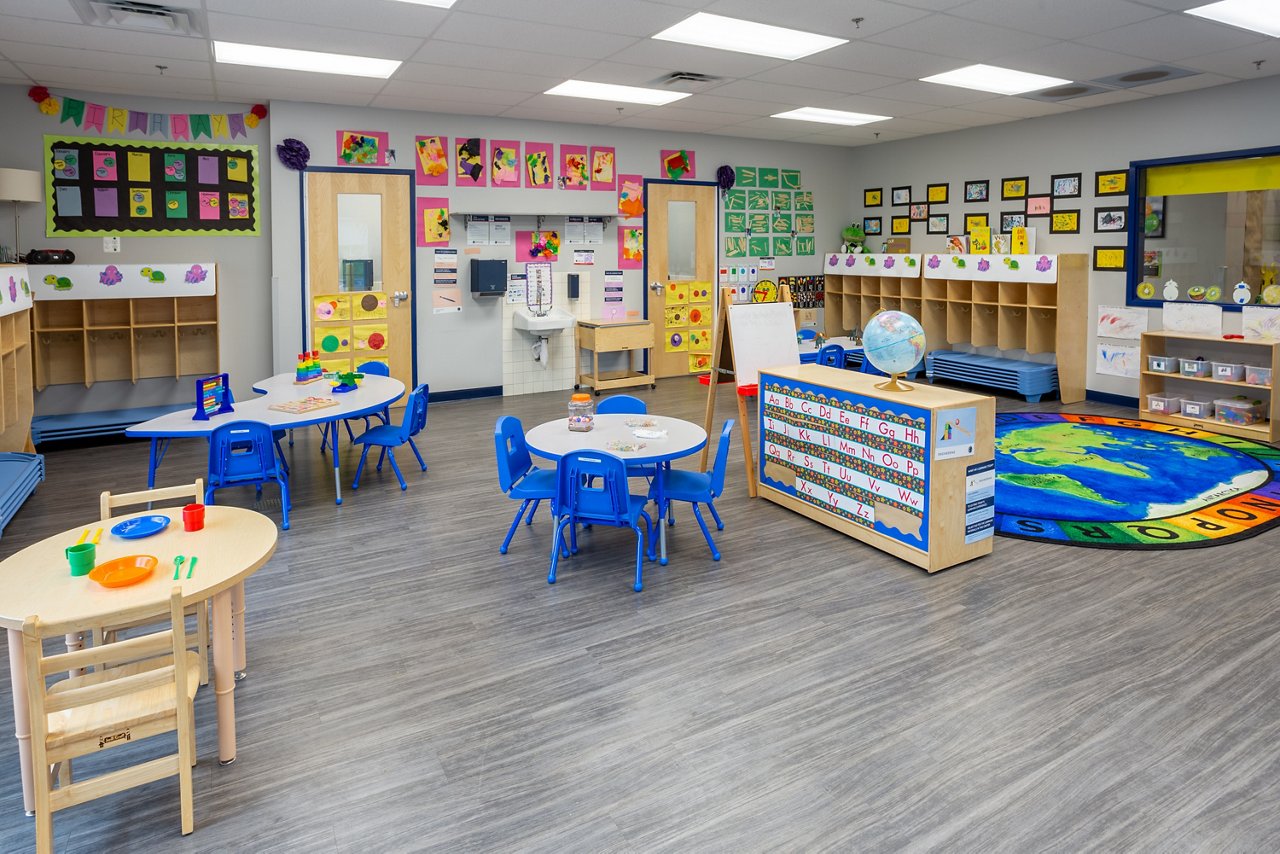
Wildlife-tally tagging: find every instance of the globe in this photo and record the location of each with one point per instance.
(893, 342)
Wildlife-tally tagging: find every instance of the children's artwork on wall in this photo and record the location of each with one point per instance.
(769, 177)
(369, 306)
(1108, 259)
(575, 169)
(918, 212)
(789, 179)
(901, 225)
(804, 223)
(937, 194)
(1013, 188)
(735, 200)
(1009, 220)
(872, 198)
(1065, 186)
(1114, 182)
(804, 200)
(66, 163)
(106, 199)
(976, 191)
(237, 205)
(780, 223)
(631, 197)
(678, 163)
(735, 247)
(757, 246)
(469, 154)
(370, 337)
(758, 200)
(900, 196)
(758, 221)
(537, 246)
(432, 221)
(363, 147)
(735, 221)
(806, 245)
(539, 169)
(782, 246)
(1110, 219)
(746, 176)
(871, 225)
(432, 161)
(1064, 222)
(1039, 205)
(505, 167)
(630, 247)
(781, 200)
(603, 174)
(938, 224)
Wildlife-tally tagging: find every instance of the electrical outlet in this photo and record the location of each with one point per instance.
(110, 244)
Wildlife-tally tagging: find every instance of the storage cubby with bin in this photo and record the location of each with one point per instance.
(17, 400)
(1236, 407)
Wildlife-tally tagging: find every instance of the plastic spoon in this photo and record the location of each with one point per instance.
(191, 567)
(177, 566)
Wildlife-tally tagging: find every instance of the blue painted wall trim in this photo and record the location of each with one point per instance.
(1115, 399)
(464, 394)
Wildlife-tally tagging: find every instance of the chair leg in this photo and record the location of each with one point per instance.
(555, 547)
(352, 436)
(515, 523)
(651, 531)
(536, 502)
(697, 514)
(364, 455)
(382, 456)
(639, 585)
(280, 456)
(391, 455)
(711, 505)
(324, 436)
(284, 501)
(418, 455)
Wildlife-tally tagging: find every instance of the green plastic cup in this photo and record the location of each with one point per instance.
(82, 557)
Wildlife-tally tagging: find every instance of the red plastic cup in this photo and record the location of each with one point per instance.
(193, 517)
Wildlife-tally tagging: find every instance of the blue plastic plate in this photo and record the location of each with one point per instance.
(143, 526)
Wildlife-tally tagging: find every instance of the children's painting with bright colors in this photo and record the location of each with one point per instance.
(505, 167)
(470, 157)
(432, 215)
(432, 160)
(603, 176)
(630, 247)
(363, 147)
(538, 165)
(677, 164)
(575, 171)
(630, 196)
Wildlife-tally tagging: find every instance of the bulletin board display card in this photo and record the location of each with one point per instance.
(134, 188)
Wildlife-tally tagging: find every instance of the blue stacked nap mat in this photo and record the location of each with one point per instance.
(1029, 379)
(19, 475)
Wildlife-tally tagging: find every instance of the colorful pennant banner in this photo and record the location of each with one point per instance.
(107, 119)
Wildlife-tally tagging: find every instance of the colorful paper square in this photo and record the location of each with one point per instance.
(758, 247)
(237, 168)
(432, 160)
(735, 247)
(505, 166)
(538, 169)
(575, 168)
(237, 205)
(789, 179)
(469, 154)
(140, 202)
(210, 206)
(66, 163)
(139, 166)
(175, 168)
(175, 204)
(68, 202)
(630, 247)
(768, 177)
(106, 202)
(207, 169)
(105, 166)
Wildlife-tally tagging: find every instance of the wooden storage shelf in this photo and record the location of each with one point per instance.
(17, 396)
(1263, 354)
(601, 336)
(88, 341)
(1038, 312)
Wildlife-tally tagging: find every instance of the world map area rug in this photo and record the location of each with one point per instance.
(1122, 483)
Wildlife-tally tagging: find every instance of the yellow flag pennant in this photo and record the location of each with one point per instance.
(117, 119)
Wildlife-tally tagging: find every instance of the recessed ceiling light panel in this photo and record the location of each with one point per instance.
(717, 31)
(1260, 16)
(614, 92)
(261, 56)
(992, 78)
(830, 117)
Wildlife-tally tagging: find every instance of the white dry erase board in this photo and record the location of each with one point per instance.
(762, 335)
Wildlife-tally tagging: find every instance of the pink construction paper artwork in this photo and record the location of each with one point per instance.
(630, 196)
(432, 160)
(630, 247)
(209, 206)
(105, 166)
(537, 246)
(575, 168)
(539, 165)
(504, 166)
(469, 151)
(431, 217)
(603, 173)
(678, 163)
(363, 147)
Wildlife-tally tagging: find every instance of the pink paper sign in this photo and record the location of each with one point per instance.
(539, 165)
(432, 159)
(431, 216)
(677, 163)
(630, 247)
(363, 147)
(504, 163)
(210, 208)
(575, 167)
(604, 174)
(630, 196)
(104, 166)
(469, 152)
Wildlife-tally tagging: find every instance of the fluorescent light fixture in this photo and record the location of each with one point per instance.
(614, 92)
(1257, 15)
(260, 56)
(831, 117)
(442, 4)
(717, 31)
(992, 78)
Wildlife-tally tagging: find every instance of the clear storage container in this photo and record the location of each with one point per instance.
(1164, 403)
(1228, 372)
(1240, 410)
(582, 413)
(1257, 375)
(1197, 408)
(1162, 364)
(1193, 367)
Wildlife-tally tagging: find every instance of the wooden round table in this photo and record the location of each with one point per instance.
(233, 545)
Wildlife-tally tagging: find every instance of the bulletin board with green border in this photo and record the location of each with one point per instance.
(99, 186)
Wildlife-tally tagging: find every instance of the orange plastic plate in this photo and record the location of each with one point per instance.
(124, 571)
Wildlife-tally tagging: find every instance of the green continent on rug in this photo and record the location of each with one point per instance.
(1087, 480)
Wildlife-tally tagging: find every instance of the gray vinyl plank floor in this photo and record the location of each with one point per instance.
(411, 689)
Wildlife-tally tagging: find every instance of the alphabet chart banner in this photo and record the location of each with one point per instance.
(101, 186)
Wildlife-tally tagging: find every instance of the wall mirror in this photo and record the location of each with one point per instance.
(1201, 226)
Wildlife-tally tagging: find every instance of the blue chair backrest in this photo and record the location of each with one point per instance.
(415, 414)
(832, 355)
(807, 334)
(867, 368)
(513, 454)
(722, 460)
(592, 486)
(241, 451)
(377, 369)
(622, 404)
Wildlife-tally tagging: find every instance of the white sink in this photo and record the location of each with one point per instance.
(553, 322)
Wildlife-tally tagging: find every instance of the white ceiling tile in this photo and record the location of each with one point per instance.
(788, 134)
(682, 57)
(437, 105)
(400, 19)
(753, 90)
(1054, 18)
(248, 94)
(915, 124)
(60, 77)
(42, 9)
(585, 109)
(452, 75)
(819, 77)
(237, 28)
(1238, 62)
(506, 59)
(1102, 99)
(483, 32)
(656, 123)
(882, 59)
(1184, 84)
(463, 94)
(960, 117)
(633, 18)
(100, 38)
(932, 5)
(945, 35)
(1023, 108)
(716, 102)
(1072, 60)
(825, 17)
(626, 74)
(932, 93)
(268, 78)
(102, 61)
(1173, 37)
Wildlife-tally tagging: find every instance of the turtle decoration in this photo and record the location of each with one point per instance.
(155, 277)
(59, 283)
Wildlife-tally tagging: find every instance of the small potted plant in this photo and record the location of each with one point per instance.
(854, 237)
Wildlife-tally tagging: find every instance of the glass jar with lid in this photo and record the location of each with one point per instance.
(582, 413)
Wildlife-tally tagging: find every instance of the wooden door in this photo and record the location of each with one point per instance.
(354, 315)
(662, 268)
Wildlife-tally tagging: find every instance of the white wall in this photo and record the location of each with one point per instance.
(1243, 115)
(465, 350)
(243, 262)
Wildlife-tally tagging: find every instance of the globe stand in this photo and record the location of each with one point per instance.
(895, 384)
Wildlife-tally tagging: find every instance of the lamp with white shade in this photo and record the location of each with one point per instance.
(20, 185)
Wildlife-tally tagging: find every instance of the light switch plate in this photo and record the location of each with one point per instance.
(110, 244)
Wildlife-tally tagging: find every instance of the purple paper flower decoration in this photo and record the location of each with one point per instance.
(833, 261)
(984, 265)
(888, 263)
(111, 276)
(850, 260)
(1044, 264)
(196, 274)
(934, 262)
(13, 289)
(294, 154)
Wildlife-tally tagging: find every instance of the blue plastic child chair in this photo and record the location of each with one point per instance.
(242, 453)
(831, 355)
(389, 436)
(621, 404)
(519, 478)
(591, 489)
(702, 487)
(807, 334)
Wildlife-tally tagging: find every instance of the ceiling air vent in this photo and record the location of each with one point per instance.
(1143, 76)
(1064, 92)
(686, 81)
(142, 17)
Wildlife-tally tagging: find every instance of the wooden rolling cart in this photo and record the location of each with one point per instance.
(613, 336)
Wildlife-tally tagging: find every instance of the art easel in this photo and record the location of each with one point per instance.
(723, 361)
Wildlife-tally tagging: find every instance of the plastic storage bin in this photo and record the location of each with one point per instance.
(1240, 410)
(1162, 364)
(1228, 372)
(1193, 367)
(1164, 403)
(1197, 408)
(1257, 376)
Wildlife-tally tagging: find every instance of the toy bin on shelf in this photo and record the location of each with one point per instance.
(1228, 372)
(1257, 376)
(1162, 364)
(1193, 368)
(1197, 408)
(1164, 403)
(1240, 411)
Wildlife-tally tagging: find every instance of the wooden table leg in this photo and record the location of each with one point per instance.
(224, 680)
(747, 457)
(75, 641)
(21, 718)
(237, 629)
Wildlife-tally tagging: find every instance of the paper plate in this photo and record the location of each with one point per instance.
(143, 526)
(124, 571)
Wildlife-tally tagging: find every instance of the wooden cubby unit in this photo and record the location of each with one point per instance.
(88, 341)
(17, 397)
(1011, 308)
(1262, 354)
